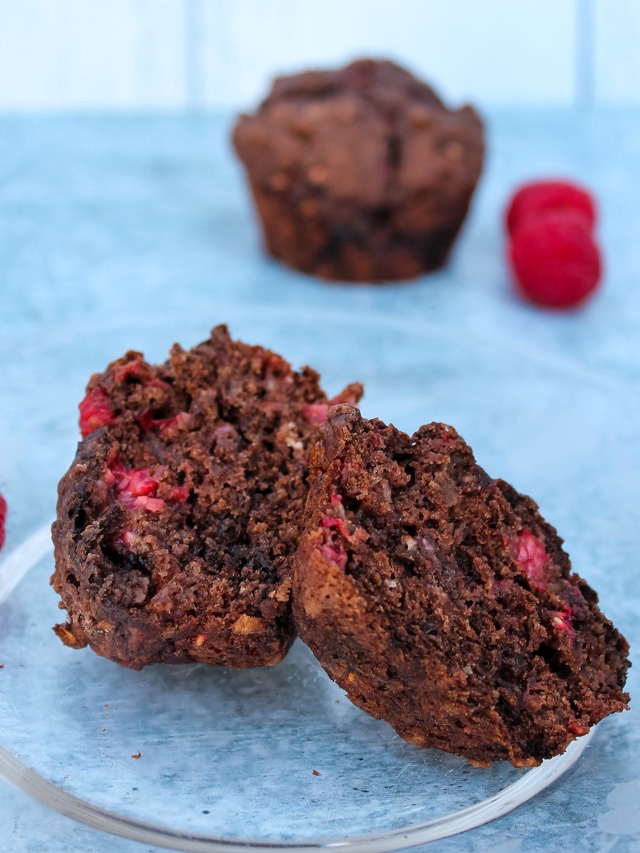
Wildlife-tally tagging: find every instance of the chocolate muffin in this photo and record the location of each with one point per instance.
(360, 174)
(178, 519)
(442, 601)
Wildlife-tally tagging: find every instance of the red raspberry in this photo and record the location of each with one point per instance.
(315, 413)
(530, 554)
(539, 198)
(135, 487)
(333, 550)
(95, 411)
(3, 516)
(555, 260)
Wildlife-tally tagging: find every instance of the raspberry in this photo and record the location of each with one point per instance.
(333, 551)
(315, 413)
(179, 494)
(3, 516)
(351, 533)
(136, 487)
(95, 411)
(537, 199)
(555, 261)
(530, 554)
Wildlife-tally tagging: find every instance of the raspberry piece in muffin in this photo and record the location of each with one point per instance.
(3, 517)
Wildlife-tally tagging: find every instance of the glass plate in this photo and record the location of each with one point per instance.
(200, 758)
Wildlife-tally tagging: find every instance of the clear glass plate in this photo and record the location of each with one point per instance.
(199, 758)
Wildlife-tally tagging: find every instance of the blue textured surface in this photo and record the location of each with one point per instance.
(134, 232)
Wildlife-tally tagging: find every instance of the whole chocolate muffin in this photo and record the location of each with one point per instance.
(360, 174)
(442, 601)
(178, 519)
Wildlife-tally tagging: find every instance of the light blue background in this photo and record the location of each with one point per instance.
(195, 54)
